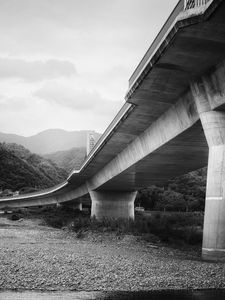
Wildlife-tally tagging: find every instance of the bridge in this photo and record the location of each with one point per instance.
(172, 122)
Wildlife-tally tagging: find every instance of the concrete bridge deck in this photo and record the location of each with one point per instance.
(174, 113)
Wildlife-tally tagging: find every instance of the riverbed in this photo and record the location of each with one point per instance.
(39, 258)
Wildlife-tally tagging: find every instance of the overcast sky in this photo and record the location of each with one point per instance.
(66, 63)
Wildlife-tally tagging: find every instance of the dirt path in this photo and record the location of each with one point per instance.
(35, 257)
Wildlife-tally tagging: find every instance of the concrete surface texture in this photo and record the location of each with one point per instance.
(173, 115)
(112, 204)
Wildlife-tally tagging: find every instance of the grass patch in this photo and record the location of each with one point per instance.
(168, 227)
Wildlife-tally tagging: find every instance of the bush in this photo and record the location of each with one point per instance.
(165, 226)
(193, 236)
(54, 221)
(80, 234)
(81, 223)
(14, 217)
(60, 216)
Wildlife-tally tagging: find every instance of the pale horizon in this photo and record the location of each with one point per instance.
(49, 129)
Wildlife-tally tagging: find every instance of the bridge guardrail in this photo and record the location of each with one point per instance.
(190, 4)
(183, 5)
(36, 194)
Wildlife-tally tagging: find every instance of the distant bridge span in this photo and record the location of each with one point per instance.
(173, 122)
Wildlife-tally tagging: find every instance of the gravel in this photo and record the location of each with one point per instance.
(35, 257)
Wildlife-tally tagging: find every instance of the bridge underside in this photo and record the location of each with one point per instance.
(186, 152)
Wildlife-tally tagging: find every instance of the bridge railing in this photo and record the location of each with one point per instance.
(183, 5)
(43, 192)
(190, 4)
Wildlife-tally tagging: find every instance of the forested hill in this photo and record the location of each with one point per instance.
(68, 160)
(184, 193)
(21, 169)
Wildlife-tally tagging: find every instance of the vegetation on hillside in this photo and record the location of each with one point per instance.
(23, 170)
(68, 160)
(184, 193)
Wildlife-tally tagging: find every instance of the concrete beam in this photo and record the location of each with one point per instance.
(64, 195)
(209, 90)
(173, 122)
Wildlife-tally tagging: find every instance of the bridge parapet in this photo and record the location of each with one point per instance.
(190, 4)
(184, 10)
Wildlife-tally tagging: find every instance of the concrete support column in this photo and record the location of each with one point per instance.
(110, 204)
(213, 248)
(77, 206)
(206, 94)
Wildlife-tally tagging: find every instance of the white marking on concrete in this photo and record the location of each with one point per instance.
(214, 198)
(212, 249)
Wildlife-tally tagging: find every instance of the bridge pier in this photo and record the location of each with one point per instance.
(213, 123)
(214, 222)
(74, 206)
(77, 206)
(111, 204)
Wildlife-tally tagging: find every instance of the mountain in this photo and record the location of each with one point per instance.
(51, 140)
(68, 160)
(22, 169)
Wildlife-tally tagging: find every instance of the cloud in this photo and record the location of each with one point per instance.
(11, 68)
(58, 107)
(13, 104)
(79, 100)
